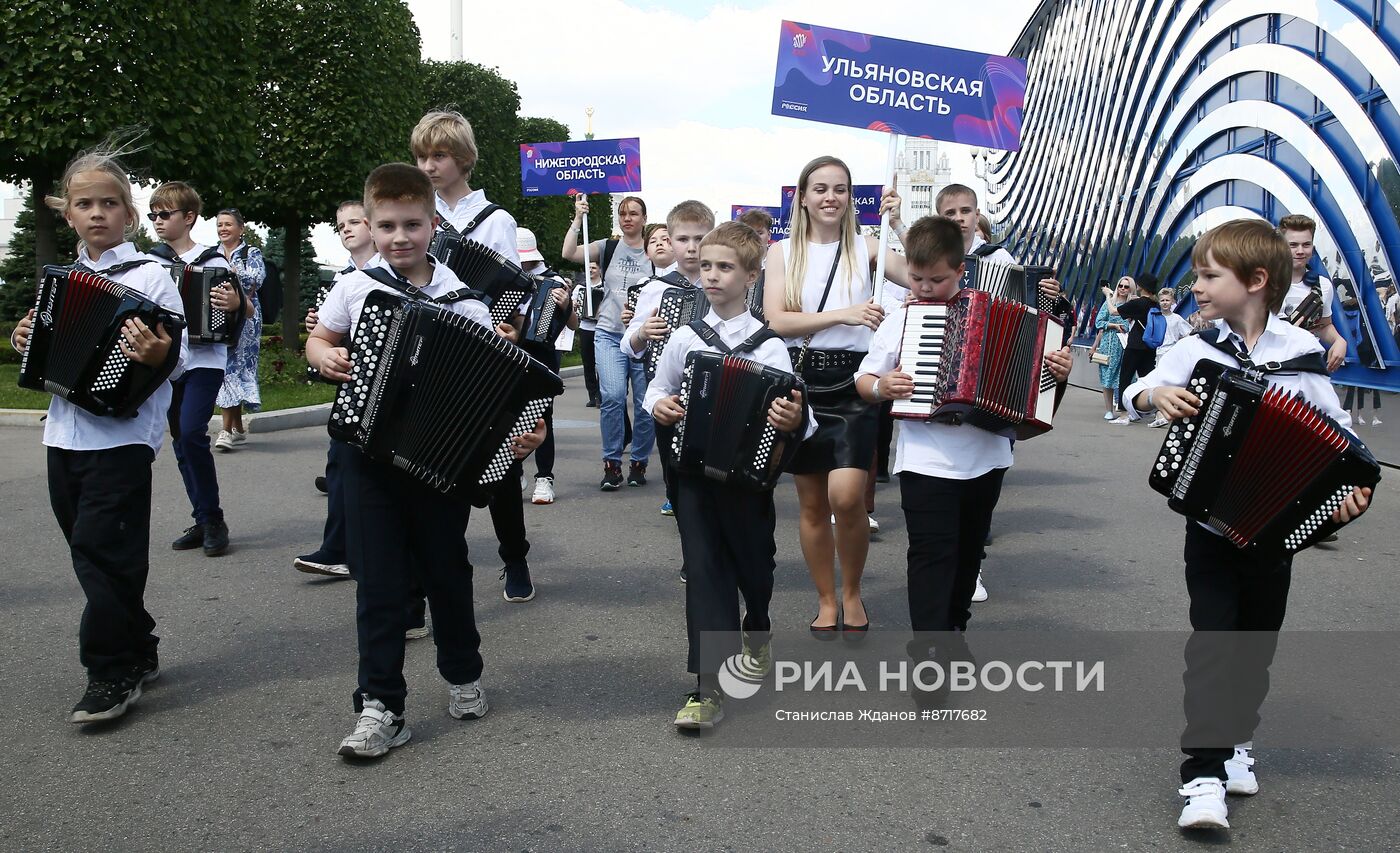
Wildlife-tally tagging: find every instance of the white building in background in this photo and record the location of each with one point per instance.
(11, 203)
(922, 170)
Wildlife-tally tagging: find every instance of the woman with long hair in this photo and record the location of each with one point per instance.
(240, 389)
(1108, 345)
(818, 295)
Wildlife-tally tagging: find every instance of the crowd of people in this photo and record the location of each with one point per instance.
(809, 306)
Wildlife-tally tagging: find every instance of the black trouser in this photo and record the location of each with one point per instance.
(664, 436)
(1360, 394)
(882, 445)
(947, 521)
(191, 406)
(508, 520)
(1136, 363)
(398, 529)
(590, 369)
(102, 502)
(1227, 674)
(333, 535)
(544, 456)
(727, 541)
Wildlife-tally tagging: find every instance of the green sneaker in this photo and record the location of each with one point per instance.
(757, 661)
(701, 711)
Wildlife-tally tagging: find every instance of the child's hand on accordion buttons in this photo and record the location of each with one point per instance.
(312, 318)
(223, 298)
(668, 410)
(143, 345)
(786, 414)
(508, 332)
(335, 364)
(626, 316)
(655, 328)
(1355, 504)
(1174, 402)
(20, 339)
(1050, 287)
(523, 445)
(560, 295)
(1059, 362)
(895, 386)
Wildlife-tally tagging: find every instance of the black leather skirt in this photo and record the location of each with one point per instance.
(847, 426)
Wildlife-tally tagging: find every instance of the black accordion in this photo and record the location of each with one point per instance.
(205, 323)
(1307, 314)
(438, 396)
(546, 318)
(678, 306)
(1017, 282)
(725, 434)
(1263, 467)
(503, 284)
(74, 350)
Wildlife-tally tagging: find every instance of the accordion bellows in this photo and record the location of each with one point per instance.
(725, 434)
(1262, 467)
(437, 395)
(74, 350)
(502, 283)
(979, 359)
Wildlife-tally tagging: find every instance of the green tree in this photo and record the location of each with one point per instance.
(338, 93)
(17, 269)
(71, 73)
(309, 271)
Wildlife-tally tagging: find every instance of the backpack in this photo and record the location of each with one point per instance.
(1154, 331)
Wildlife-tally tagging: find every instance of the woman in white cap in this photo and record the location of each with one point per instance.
(534, 263)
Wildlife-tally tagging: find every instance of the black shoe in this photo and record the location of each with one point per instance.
(592, 403)
(518, 588)
(106, 699)
(612, 477)
(637, 474)
(882, 477)
(192, 538)
(684, 578)
(147, 670)
(321, 485)
(215, 538)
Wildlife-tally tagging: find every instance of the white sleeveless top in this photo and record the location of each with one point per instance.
(844, 293)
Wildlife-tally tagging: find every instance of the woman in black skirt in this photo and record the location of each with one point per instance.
(818, 296)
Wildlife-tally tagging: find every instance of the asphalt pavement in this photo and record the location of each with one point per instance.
(235, 746)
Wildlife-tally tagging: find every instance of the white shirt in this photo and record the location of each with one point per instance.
(1000, 256)
(496, 231)
(1392, 309)
(71, 428)
(930, 448)
(1177, 328)
(1298, 291)
(734, 331)
(647, 301)
(206, 356)
(1279, 341)
(844, 293)
(341, 311)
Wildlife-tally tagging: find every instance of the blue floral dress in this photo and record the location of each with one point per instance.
(240, 386)
(1109, 346)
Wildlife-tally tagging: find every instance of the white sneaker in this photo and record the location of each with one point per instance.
(1359, 420)
(311, 567)
(376, 732)
(1108, 416)
(224, 441)
(1240, 769)
(467, 701)
(1159, 421)
(874, 525)
(979, 594)
(544, 491)
(1119, 421)
(1205, 804)
(239, 435)
(1375, 421)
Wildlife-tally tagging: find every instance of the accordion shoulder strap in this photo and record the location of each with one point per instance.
(121, 267)
(1313, 362)
(480, 217)
(712, 338)
(161, 250)
(388, 279)
(207, 255)
(986, 250)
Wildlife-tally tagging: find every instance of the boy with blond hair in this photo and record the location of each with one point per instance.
(1242, 277)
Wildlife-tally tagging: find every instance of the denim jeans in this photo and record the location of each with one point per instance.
(615, 369)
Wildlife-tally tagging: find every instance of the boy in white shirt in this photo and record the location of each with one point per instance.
(1298, 231)
(726, 532)
(949, 474)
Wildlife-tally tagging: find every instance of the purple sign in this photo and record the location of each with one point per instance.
(865, 197)
(896, 86)
(591, 166)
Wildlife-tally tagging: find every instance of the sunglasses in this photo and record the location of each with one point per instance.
(163, 214)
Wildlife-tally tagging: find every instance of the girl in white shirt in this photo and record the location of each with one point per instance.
(818, 296)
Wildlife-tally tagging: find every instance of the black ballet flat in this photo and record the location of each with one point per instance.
(856, 632)
(826, 633)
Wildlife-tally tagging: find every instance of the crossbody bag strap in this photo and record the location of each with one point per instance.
(821, 306)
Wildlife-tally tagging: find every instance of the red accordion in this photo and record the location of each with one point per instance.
(980, 359)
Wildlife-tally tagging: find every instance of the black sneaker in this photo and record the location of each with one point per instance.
(192, 538)
(612, 477)
(637, 474)
(147, 670)
(518, 589)
(592, 403)
(321, 485)
(215, 538)
(106, 699)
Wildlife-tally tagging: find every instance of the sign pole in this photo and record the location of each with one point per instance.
(878, 284)
(587, 271)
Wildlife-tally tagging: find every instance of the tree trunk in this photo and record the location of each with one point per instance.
(291, 283)
(45, 225)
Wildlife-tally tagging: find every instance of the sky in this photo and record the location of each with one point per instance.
(694, 81)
